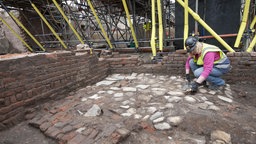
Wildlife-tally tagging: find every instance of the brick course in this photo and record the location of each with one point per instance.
(26, 80)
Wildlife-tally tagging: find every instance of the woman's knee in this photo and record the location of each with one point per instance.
(198, 72)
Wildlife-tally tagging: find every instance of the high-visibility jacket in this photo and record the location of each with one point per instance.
(223, 62)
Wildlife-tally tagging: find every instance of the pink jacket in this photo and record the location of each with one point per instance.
(209, 59)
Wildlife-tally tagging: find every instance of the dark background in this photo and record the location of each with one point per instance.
(223, 16)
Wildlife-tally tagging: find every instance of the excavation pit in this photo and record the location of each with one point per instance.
(143, 104)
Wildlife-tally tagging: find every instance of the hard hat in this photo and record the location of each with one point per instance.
(190, 43)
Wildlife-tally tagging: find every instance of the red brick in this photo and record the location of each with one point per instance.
(8, 93)
(8, 80)
(7, 101)
(30, 100)
(30, 93)
(45, 126)
(67, 129)
(230, 54)
(87, 131)
(53, 132)
(19, 96)
(147, 127)
(78, 125)
(30, 116)
(116, 117)
(9, 108)
(13, 99)
(68, 136)
(59, 136)
(53, 111)
(2, 102)
(77, 139)
(115, 137)
(93, 134)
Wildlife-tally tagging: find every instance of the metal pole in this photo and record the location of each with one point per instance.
(21, 25)
(196, 24)
(243, 23)
(253, 42)
(197, 18)
(16, 34)
(153, 34)
(49, 26)
(185, 23)
(160, 22)
(69, 23)
(24, 28)
(101, 27)
(130, 23)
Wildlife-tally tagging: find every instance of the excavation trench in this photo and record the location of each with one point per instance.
(79, 98)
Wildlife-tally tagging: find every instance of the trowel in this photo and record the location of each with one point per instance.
(187, 88)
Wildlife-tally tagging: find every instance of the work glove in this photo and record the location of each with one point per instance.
(194, 86)
(188, 78)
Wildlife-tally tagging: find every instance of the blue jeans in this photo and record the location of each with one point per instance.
(214, 76)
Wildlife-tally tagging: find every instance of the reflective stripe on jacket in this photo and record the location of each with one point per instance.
(223, 62)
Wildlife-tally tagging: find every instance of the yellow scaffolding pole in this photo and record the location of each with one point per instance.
(24, 28)
(186, 28)
(16, 34)
(69, 23)
(160, 22)
(153, 34)
(243, 23)
(253, 22)
(253, 43)
(101, 27)
(130, 23)
(208, 28)
(49, 26)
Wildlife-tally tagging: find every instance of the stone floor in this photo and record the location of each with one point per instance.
(146, 109)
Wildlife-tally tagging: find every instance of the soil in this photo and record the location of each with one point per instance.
(24, 134)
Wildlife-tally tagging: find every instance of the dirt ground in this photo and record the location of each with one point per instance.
(24, 134)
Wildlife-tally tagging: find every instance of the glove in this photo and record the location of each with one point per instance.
(194, 86)
(188, 77)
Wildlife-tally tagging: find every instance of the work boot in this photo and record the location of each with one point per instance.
(216, 87)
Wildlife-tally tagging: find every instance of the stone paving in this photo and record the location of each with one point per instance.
(120, 106)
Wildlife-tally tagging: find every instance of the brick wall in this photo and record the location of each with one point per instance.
(243, 66)
(29, 79)
(129, 63)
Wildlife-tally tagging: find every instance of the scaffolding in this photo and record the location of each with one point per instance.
(111, 15)
(101, 24)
